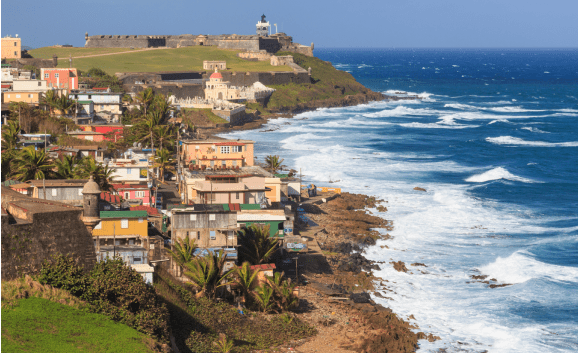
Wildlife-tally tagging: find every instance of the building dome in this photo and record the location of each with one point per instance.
(216, 74)
(91, 187)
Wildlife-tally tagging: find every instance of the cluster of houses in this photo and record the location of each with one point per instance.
(218, 190)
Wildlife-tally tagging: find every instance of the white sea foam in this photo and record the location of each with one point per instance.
(533, 129)
(460, 106)
(521, 267)
(400, 111)
(497, 174)
(516, 141)
(513, 110)
(438, 126)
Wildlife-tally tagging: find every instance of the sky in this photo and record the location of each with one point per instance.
(328, 24)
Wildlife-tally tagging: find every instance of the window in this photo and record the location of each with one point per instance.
(128, 170)
(15, 54)
(98, 226)
(29, 95)
(212, 217)
(124, 223)
(212, 163)
(237, 148)
(224, 163)
(56, 75)
(15, 44)
(17, 96)
(46, 75)
(39, 83)
(187, 233)
(89, 96)
(80, 192)
(140, 220)
(126, 195)
(137, 259)
(198, 235)
(237, 196)
(234, 163)
(213, 197)
(131, 242)
(140, 194)
(213, 234)
(231, 235)
(117, 242)
(193, 217)
(101, 106)
(225, 149)
(54, 192)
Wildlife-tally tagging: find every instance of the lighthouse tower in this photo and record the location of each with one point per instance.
(263, 27)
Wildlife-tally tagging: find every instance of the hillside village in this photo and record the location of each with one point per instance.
(126, 166)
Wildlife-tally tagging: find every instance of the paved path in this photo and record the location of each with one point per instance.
(122, 52)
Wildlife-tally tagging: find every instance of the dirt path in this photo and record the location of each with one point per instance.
(122, 52)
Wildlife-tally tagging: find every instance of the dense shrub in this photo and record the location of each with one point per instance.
(112, 289)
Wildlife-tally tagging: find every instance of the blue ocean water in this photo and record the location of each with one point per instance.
(494, 141)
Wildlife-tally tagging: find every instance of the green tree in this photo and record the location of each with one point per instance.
(144, 99)
(255, 244)
(245, 278)
(273, 163)
(49, 100)
(283, 291)
(183, 251)
(165, 134)
(102, 174)
(10, 133)
(32, 164)
(65, 167)
(163, 161)
(265, 297)
(207, 274)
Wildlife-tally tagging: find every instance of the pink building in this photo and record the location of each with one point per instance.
(66, 78)
(134, 192)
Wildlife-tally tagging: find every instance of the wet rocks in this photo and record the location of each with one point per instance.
(417, 188)
(356, 263)
(346, 248)
(418, 264)
(399, 266)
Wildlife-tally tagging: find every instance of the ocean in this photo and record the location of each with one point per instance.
(494, 141)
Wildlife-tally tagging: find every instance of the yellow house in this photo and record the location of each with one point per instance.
(274, 189)
(11, 48)
(217, 153)
(122, 225)
(30, 97)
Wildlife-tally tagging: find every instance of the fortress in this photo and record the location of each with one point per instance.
(261, 41)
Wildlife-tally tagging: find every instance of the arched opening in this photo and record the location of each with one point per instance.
(220, 95)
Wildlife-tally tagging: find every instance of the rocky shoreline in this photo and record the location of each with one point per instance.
(336, 279)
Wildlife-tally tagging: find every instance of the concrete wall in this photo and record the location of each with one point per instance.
(267, 78)
(179, 90)
(72, 194)
(48, 231)
(39, 63)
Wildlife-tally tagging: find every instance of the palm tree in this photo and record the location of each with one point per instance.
(65, 104)
(102, 174)
(273, 163)
(163, 161)
(264, 297)
(65, 167)
(161, 105)
(283, 289)
(32, 164)
(245, 278)
(49, 100)
(255, 244)
(207, 273)
(145, 98)
(164, 134)
(10, 134)
(183, 251)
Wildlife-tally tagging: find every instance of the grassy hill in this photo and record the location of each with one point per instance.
(40, 325)
(179, 59)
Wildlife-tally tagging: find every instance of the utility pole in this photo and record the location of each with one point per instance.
(300, 181)
(114, 240)
(44, 176)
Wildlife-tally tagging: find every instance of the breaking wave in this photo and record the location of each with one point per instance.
(509, 140)
(497, 174)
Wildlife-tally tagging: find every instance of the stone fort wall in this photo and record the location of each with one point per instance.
(34, 230)
(225, 41)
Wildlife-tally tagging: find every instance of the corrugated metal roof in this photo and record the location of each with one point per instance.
(84, 102)
(123, 214)
(150, 210)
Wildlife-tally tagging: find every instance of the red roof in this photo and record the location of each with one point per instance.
(109, 197)
(264, 267)
(151, 211)
(100, 88)
(216, 75)
(6, 86)
(129, 186)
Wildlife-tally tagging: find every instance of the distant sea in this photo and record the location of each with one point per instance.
(494, 141)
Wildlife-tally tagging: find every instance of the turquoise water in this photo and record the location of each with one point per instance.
(494, 141)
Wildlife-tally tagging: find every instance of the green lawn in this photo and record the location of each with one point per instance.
(179, 59)
(40, 325)
(48, 52)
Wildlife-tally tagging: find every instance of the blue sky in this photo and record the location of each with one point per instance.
(337, 23)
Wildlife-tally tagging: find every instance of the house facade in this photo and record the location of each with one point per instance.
(66, 78)
(30, 97)
(218, 153)
(135, 194)
(129, 170)
(107, 104)
(11, 47)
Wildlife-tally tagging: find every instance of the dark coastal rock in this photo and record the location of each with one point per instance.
(362, 297)
(418, 264)
(356, 263)
(346, 248)
(500, 285)
(399, 266)
(417, 188)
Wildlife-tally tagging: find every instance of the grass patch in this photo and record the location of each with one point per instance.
(64, 53)
(40, 325)
(25, 287)
(178, 59)
(201, 117)
(197, 323)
